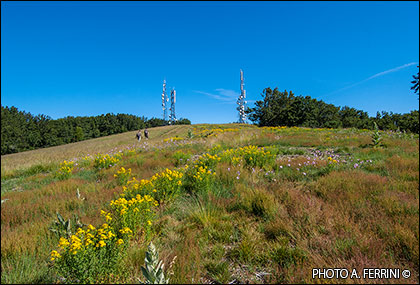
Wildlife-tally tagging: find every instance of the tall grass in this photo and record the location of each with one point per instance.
(266, 219)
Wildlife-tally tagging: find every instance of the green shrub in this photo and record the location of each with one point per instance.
(65, 170)
(123, 176)
(90, 255)
(106, 161)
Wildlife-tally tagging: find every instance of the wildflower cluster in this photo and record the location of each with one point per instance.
(320, 163)
(89, 253)
(274, 128)
(106, 161)
(331, 162)
(134, 187)
(345, 161)
(162, 186)
(123, 175)
(251, 155)
(215, 149)
(294, 129)
(65, 170)
(167, 184)
(199, 178)
(212, 132)
(208, 160)
(129, 152)
(255, 156)
(135, 213)
(85, 161)
(171, 139)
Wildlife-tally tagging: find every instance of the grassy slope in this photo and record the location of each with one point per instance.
(261, 227)
(26, 159)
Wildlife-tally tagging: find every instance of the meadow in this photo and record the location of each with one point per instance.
(228, 203)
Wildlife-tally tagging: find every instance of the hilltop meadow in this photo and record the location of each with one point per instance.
(231, 203)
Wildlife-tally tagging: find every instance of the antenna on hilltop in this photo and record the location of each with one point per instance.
(164, 100)
(172, 117)
(241, 101)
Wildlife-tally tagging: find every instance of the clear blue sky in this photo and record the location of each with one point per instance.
(90, 58)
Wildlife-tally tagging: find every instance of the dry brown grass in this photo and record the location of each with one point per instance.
(350, 218)
(26, 159)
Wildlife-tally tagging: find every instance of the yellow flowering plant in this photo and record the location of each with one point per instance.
(85, 161)
(214, 132)
(251, 156)
(90, 254)
(254, 156)
(172, 139)
(123, 176)
(106, 161)
(134, 187)
(207, 160)
(167, 185)
(199, 178)
(136, 213)
(65, 170)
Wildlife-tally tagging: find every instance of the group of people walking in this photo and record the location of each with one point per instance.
(146, 134)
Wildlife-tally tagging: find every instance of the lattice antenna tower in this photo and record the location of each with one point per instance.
(241, 101)
(164, 100)
(172, 116)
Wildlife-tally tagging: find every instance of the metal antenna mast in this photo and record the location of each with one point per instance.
(164, 100)
(241, 101)
(172, 117)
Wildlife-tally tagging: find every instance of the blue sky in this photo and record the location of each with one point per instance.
(90, 58)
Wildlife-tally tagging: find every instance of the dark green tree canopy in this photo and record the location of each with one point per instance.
(285, 109)
(22, 131)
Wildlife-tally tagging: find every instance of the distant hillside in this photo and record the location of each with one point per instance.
(22, 131)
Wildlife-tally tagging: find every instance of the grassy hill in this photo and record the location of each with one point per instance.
(221, 203)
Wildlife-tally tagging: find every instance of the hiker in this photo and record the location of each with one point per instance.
(138, 135)
(146, 134)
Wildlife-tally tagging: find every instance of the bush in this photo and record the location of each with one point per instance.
(65, 170)
(89, 255)
(136, 213)
(123, 176)
(106, 161)
(167, 184)
(199, 179)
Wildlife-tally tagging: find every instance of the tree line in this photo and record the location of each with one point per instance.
(285, 109)
(22, 131)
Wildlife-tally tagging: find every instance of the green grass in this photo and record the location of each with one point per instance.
(274, 219)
